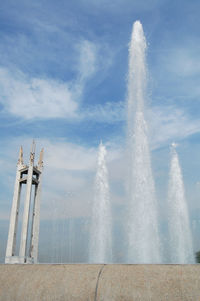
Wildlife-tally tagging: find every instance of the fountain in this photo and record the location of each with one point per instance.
(181, 250)
(121, 281)
(143, 237)
(100, 236)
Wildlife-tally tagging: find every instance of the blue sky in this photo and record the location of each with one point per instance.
(63, 73)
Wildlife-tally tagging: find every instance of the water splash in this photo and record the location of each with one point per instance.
(100, 238)
(181, 249)
(143, 237)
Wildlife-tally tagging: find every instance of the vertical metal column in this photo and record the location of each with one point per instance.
(11, 243)
(36, 213)
(24, 234)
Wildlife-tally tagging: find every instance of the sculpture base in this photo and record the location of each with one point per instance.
(18, 260)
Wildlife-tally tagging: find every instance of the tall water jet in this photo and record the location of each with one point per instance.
(100, 236)
(143, 237)
(181, 249)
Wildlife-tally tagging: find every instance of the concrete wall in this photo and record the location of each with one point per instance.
(83, 282)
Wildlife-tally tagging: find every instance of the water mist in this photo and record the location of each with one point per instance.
(142, 224)
(181, 249)
(100, 236)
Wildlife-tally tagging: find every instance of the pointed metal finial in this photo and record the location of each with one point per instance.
(40, 161)
(32, 154)
(20, 160)
(33, 146)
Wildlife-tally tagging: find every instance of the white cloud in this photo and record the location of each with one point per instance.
(94, 59)
(69, 156)
(44, 98)
(31, 98)
(166, 123)
(34, 97)
(88, 59)
(70, 170)
(110, 112)
(169, 124)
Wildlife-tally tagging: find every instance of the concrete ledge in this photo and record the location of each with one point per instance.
(84, 282)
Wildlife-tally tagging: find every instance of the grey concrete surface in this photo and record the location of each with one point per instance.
(84, 282)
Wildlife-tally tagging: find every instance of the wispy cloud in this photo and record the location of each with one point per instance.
(29, 98)
(35, 97)
(110, 112)
(87, 65)
(169, 124)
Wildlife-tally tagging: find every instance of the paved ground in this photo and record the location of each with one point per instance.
(84, 282)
